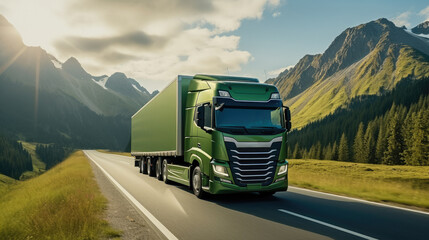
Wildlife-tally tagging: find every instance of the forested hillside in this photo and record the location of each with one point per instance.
(14, 160)
(52, 154)
(390, 128)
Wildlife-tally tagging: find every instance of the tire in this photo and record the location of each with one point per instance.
(158, 169)
(165, 171)
(149, 168)
(266, 194)
(144, 166)
(141, 167)
(197, 183)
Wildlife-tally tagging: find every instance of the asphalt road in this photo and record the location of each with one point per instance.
(296, 214)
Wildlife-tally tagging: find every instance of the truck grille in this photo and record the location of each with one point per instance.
(253, 162)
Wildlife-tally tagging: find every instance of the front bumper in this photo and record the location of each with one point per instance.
(218, 187)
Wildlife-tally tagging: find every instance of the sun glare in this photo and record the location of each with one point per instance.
(36, 22)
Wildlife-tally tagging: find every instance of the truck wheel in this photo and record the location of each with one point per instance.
(159, 169)
(149, 168)
(197, 183)
(143, 165)
(165, 171)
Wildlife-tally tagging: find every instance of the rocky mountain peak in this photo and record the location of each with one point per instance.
(74, 68)
(118, 76)
(422, 28)
(120, 83)
(361, 60)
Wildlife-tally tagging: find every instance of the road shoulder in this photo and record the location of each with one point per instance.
(120, 213)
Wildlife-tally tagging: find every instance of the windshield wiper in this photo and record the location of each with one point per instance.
(240, 127)
(267, 127)
(272, 129)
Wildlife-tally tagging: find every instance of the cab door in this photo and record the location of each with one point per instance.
(204, 139)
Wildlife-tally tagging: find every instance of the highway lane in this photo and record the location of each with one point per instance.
(296, 214)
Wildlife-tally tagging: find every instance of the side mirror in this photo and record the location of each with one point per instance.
(200, 116)
(288, 123)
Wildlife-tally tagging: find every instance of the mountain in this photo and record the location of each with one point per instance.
(128, 88)
(368, 59)
(45, 100)
(422, 28)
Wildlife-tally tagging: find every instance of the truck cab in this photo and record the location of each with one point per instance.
(235, 136)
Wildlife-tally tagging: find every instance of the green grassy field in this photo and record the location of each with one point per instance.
(63, 203)
(39, 167)
(6, 183)
(407, 185)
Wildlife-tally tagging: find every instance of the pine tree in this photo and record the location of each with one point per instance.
(296, 152)
(359, 145)
(395, 146)
(417, 152)
(369, 140)
(334, 151)
(318, 151)
(312, 152)
(343, 149)
(327, 152)
(305, 154)
(380, 146)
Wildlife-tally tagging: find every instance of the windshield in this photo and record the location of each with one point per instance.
(249, 120)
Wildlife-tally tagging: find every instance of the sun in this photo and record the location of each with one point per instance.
(36, 21)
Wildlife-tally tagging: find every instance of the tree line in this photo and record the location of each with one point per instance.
(392, 128)
(14, 159)
(52, 154)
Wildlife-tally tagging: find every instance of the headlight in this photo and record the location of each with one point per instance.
(224, 93)
(220, 170)
(275, 95)
(282, 169)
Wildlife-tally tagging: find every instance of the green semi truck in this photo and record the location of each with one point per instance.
(215, 134)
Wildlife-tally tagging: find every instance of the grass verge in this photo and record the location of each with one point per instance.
(407, 185)
(63, 203)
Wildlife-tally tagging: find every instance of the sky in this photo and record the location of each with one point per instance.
(154, 41)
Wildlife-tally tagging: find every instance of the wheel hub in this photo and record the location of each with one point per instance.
(196, 182)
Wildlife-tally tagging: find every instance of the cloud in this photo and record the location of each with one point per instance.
(276, 72)
(425, 13)
(138, 39)
(276, 14)
(402, 19)
(151, 41)
(113, 57)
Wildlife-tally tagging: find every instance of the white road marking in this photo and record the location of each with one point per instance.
(361, 200)
(152, 218)
(327, 224)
